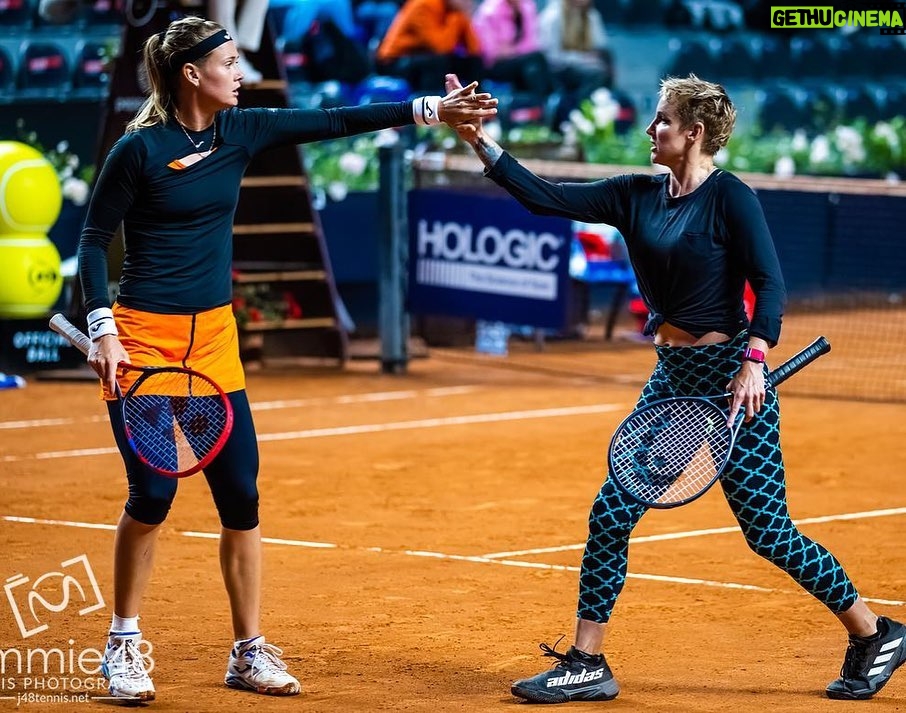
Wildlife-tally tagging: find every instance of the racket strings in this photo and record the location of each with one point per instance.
(671, 452)
(175, 419)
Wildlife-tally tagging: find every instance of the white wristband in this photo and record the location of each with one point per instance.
(425, 110)
(100, 323)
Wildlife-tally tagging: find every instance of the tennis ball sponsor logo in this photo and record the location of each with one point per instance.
(570, 678)
(511, 262)
(888, 18)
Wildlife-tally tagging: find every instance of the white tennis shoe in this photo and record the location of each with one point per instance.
(123, 665)
(257, 667)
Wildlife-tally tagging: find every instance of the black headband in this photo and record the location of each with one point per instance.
(196, 52)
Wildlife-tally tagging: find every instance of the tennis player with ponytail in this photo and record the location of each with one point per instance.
(173, 182)
(695, 234)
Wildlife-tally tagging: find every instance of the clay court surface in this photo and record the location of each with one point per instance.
(426, 534)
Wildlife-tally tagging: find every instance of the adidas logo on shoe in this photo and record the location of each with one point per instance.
(568, 679)
(576, 676)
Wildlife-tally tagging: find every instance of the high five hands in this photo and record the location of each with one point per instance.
(468, 128)
(463, 104)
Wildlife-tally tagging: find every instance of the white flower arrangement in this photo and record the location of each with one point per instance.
(75, 179)
(853, 149)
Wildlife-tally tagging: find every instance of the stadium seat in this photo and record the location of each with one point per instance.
(734, 58)
(44, 69)
(99, 15)
(15, 16)
(294, 61)
(644, 12)
(687, 56)
(380, 88)
(723, 16)
(861, 102)
(888, 56)
(783, 108)
(91, 74)
(825, 106)
(851, 58)
(811, 58)
(774, 57)
(7, 74)
(894, 102)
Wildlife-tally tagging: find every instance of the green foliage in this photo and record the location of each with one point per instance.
(855, 149)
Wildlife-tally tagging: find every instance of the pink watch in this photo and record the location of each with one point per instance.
(755, 355)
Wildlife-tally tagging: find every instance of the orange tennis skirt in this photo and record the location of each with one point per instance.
(206, 342)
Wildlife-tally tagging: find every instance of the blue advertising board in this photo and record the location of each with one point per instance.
(487, 258)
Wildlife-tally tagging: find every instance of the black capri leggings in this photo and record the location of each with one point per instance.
(232, 475)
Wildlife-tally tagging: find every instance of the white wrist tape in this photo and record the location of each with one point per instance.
(100, 323)
(425, 109)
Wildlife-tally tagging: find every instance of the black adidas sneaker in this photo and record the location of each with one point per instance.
(577, 676)
(870, 662)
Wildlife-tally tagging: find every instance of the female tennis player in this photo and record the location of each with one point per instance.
(695, 234)
(173, 181)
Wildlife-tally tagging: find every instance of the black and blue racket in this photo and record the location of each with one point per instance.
(669, 452)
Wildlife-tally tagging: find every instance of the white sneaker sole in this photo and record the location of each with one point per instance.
(289, 689)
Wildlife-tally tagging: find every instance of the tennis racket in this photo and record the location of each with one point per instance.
(177, 420)
(669, 452)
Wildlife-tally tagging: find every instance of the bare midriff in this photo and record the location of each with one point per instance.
(669, 336)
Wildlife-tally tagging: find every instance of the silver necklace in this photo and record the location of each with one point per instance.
(197, 146)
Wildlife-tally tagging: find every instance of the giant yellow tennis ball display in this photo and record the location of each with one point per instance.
(30, 202)
(30, 195)
(31, 280)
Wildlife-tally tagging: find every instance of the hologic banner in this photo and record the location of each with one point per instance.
(487, 258)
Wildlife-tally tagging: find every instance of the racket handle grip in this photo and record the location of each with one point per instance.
(814, 350)
(70, 332)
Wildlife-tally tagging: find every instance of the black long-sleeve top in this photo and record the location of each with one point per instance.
(178, 222)
(691, 255)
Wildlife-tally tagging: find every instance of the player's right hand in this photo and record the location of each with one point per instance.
(105, 356)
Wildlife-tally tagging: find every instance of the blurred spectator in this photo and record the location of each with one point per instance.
(573, 39)
(508, 33)
(375, 16)
(294, 18)
(330, 54)
(246, 29)
(428, 39)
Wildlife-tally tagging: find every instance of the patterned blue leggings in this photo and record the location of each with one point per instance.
(753, 483)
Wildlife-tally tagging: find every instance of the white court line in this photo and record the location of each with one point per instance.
(376, 396)
(365, 428)
(699, 533)
(268, 540)
(460, 558)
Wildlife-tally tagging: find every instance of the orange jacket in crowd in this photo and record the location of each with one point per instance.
(428, 27)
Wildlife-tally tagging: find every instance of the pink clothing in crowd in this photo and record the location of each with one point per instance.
(495, 24)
